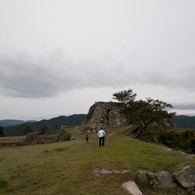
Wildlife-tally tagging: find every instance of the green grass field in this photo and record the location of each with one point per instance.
(67, 167)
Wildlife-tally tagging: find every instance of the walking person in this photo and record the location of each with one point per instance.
(101, 134)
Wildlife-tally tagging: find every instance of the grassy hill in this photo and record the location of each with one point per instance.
(54, 123)
(67, 167)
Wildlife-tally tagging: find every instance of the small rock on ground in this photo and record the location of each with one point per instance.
(98, 171)
(131, 187)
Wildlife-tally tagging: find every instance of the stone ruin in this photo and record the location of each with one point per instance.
(181, 182)
(102, 114)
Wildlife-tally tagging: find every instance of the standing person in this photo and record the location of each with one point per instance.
(87, 138)
(101, 134)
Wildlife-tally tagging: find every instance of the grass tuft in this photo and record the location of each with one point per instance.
(3, 182)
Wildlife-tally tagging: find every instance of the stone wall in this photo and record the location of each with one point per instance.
(102, 114)
(35, 138)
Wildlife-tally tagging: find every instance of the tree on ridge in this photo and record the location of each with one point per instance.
(144, 112)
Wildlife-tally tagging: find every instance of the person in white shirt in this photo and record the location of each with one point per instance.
(101, 134)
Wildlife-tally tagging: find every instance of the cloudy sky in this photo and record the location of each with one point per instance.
(58, 57)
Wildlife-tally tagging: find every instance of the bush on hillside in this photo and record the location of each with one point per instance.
(176, 138)
(90, 113)
(64, 136)
(193, 145)
(183, 141)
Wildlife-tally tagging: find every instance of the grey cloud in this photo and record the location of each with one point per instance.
(22, 77)
(172, 76)
(184, 106)
(34, 76)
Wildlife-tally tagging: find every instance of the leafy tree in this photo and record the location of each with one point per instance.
(27, 129)
(43, 128)
(125, 96)
(145, 112)
(1, 132)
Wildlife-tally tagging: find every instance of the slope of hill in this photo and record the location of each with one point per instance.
(184, 121)
(12, 122)
(54, 123)
(70, 167)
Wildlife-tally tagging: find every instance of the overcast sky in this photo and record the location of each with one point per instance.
(58, 57)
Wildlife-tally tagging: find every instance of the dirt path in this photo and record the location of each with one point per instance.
(119, 130)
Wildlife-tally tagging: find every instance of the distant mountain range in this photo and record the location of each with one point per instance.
(54, 123)
(10, 122)
(16, 127)
(184, 121)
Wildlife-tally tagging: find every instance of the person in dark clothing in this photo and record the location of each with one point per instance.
(87, 138)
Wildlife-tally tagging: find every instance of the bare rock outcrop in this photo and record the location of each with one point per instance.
(100, 115)
(159, 180)
(182, 181)
(186, 178)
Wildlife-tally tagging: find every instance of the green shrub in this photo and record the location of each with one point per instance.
(176, 138)
(64, 136)
(179, 140)
(3, 182)
(193, 146)
(90, 113)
